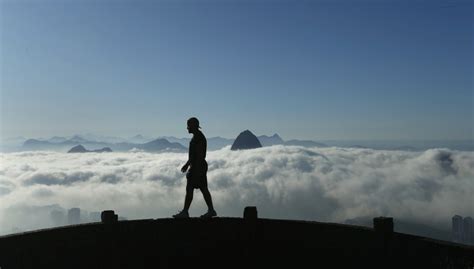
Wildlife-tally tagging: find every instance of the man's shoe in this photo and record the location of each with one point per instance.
(209, 214)
(181, 215)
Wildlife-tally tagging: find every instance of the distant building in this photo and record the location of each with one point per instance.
(58, 217)
(457, 229)
(462, 231)
(74, 216)
(467, 231)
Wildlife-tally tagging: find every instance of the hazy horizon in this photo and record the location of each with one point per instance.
(187, 135)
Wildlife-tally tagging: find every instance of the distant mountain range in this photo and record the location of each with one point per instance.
(63, 144)
(140, 142)
(157, 145)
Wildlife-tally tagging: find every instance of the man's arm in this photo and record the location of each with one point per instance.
(185, 166)
(190, 157)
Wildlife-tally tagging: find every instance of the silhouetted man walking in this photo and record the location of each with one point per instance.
(197, 174)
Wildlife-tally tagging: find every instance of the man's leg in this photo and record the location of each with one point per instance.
(189, 198)
(207, 198)
(187, 203)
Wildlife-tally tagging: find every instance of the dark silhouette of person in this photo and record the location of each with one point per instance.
(197, 174)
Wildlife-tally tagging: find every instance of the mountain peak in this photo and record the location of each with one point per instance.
(246, 140)
(275, 139)
(161, 144)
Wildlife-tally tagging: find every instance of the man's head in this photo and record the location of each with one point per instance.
(193, 125)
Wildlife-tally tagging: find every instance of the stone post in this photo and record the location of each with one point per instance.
(383, 228)
(109, 216)
(250, 213)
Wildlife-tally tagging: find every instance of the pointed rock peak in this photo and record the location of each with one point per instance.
(246, 140)
(78, 148)
(247, 132)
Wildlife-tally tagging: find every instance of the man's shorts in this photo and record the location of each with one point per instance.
(197, 177)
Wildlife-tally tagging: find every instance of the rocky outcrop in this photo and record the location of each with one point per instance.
(82, 149)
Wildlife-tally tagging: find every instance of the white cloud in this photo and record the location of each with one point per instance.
(325, 184)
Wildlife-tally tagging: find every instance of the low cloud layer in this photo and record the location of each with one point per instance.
(322, 184)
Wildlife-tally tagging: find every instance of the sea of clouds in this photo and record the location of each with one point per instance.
(290, 182)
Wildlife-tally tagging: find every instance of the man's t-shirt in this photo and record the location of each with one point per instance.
(197, 149)
(197, 156)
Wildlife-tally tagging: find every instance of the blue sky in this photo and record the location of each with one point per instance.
(304, 69)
